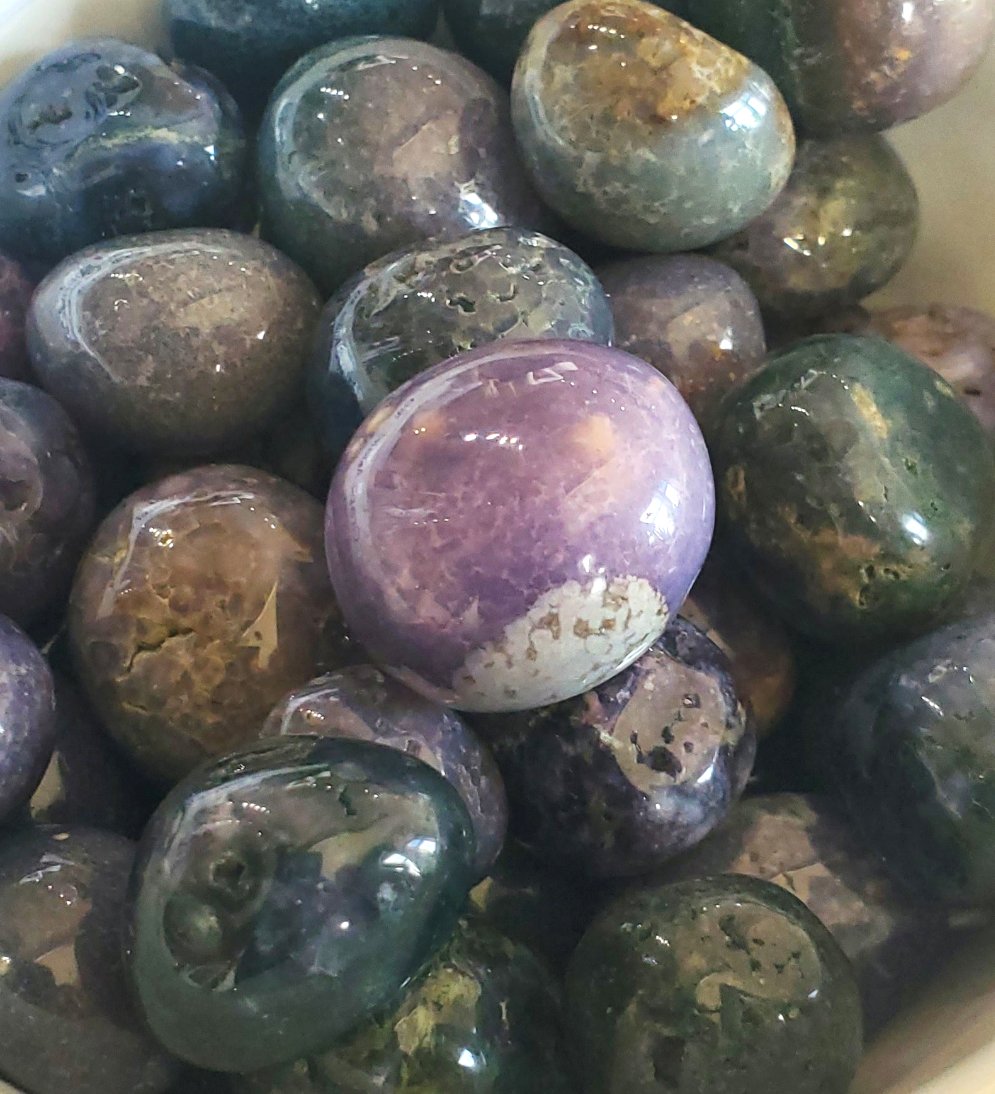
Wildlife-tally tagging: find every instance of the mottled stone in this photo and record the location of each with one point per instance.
(856, 486)
(722, 986)
(412, 310)
(362, 704)
(102, 138)
(284, 893)
(46, 501)
(840, 230)
(848, 66)
(493, 34)
(517, 525)
(691, 317)
(202, 599)
(174, 342)
(15, 295)
(640, 131)
(67, 1022)
(423, 147)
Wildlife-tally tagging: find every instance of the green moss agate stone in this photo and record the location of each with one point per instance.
(856, 486)
(286, 892)
(727, 985)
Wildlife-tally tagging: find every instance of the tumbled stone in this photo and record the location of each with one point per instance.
(15, 295)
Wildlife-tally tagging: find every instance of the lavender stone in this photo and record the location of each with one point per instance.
(15, 295)
(517, 525)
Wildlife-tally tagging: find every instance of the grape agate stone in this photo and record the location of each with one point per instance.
(284, 893)
(847, 66)
(67, 1022)
(841, 229)
(625, 777)
(15, 295)
(374, 144)
(484, 1019)
(174, 342)
(361, 703)
(691, 317)
(412, 310)
(250, 44)
(723, 986)
(644, 133)
(492, 34)
(102, 138)
(856, 487)
(27, 717)
(517, 525)
(46, 501)
(202, 599)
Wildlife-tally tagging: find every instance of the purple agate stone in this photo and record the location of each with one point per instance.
(15, 295)
(515, 526)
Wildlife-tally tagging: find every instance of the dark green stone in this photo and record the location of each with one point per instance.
(727, 985)
(286, 892)
(856, 486)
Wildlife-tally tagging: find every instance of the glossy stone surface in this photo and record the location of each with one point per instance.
(284, 893)
(625, 777)
(691, 317)
(422, 147)
(412, 310)
(722, 986)
(202, 599)
(846, 66)
(517, 525)
(102, 138)
(484, 1019)
(46, 500)
(176, 342)
(840, 230)
(361, 703)
(856, 487)
(644, 133)
(250, 44)
(66, 1020)
(492, 34)
(15, 295)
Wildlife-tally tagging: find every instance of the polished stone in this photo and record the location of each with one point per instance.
(15, 294)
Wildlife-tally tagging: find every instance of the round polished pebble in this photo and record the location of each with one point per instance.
(15, 295)
(102, 138)
(362, 704)
(691, 317)
(46, 501)
(492, 34)
(856, 487)
(423, 147)
(484, 1019)
(284, 893)
(625, 777)
(202, 599)
(722, 986)
(174, 342)
(66, 1020)
(412, 310)
(517, 525)
(847, 66)
(840, 230)
(644, 133)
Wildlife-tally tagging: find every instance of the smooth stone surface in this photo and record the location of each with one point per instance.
(691, 317)
(644, 133)
(15, 295)
(361, 703)
(174, 342)
(517, 525)
(102, 139)
(722, 986)
(67, 1022)
(621, 779)
(27, 717)
(841, 229)
(284, 893)
(484, 1019)
(421, 145)
(46, 501)
(420, 307)
(492, 34)
(856, 487)
(846, 66)
(202, 599)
